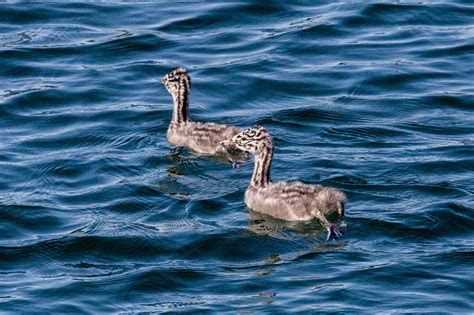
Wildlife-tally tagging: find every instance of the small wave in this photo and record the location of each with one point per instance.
(370, 133)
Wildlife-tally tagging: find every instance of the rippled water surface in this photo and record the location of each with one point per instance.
(98, 213)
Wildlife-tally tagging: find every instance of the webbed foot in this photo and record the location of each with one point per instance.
(335, 231)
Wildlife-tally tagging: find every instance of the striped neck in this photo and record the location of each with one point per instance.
(181, 102)
(261, 171)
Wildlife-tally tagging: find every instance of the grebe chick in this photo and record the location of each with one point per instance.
(204, 138)
(291, 201)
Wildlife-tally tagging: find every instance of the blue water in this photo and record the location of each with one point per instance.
(98, 213)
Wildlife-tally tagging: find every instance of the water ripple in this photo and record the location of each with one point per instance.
(99, 214)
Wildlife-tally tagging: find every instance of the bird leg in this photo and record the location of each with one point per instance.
(333, 230)
(340, 209)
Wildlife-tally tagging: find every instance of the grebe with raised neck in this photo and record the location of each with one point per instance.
(203, 138)
(291, 201)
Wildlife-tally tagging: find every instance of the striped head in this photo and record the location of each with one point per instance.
(177, 81)
(254, 140)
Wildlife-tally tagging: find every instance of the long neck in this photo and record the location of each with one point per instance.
(181, 104)
(261, 171)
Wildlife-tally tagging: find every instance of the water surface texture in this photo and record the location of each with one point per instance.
(98, 213)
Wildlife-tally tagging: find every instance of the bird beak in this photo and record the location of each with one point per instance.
(162, 81)
(227, 143)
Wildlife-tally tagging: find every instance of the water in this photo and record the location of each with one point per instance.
(100, 214)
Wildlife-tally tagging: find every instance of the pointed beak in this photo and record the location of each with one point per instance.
(162, 81)
(227, 143)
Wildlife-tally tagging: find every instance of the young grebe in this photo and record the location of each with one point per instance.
(291, 201)
(204, 138)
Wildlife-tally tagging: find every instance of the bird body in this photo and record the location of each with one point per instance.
(294, 201)
(203, 138)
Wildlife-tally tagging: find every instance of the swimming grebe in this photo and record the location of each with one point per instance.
(291, 201)
(204, 138)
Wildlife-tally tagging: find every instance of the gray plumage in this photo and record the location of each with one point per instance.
(204, 138)
(291, 201)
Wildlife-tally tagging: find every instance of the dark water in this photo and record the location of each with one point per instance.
(98, 213)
